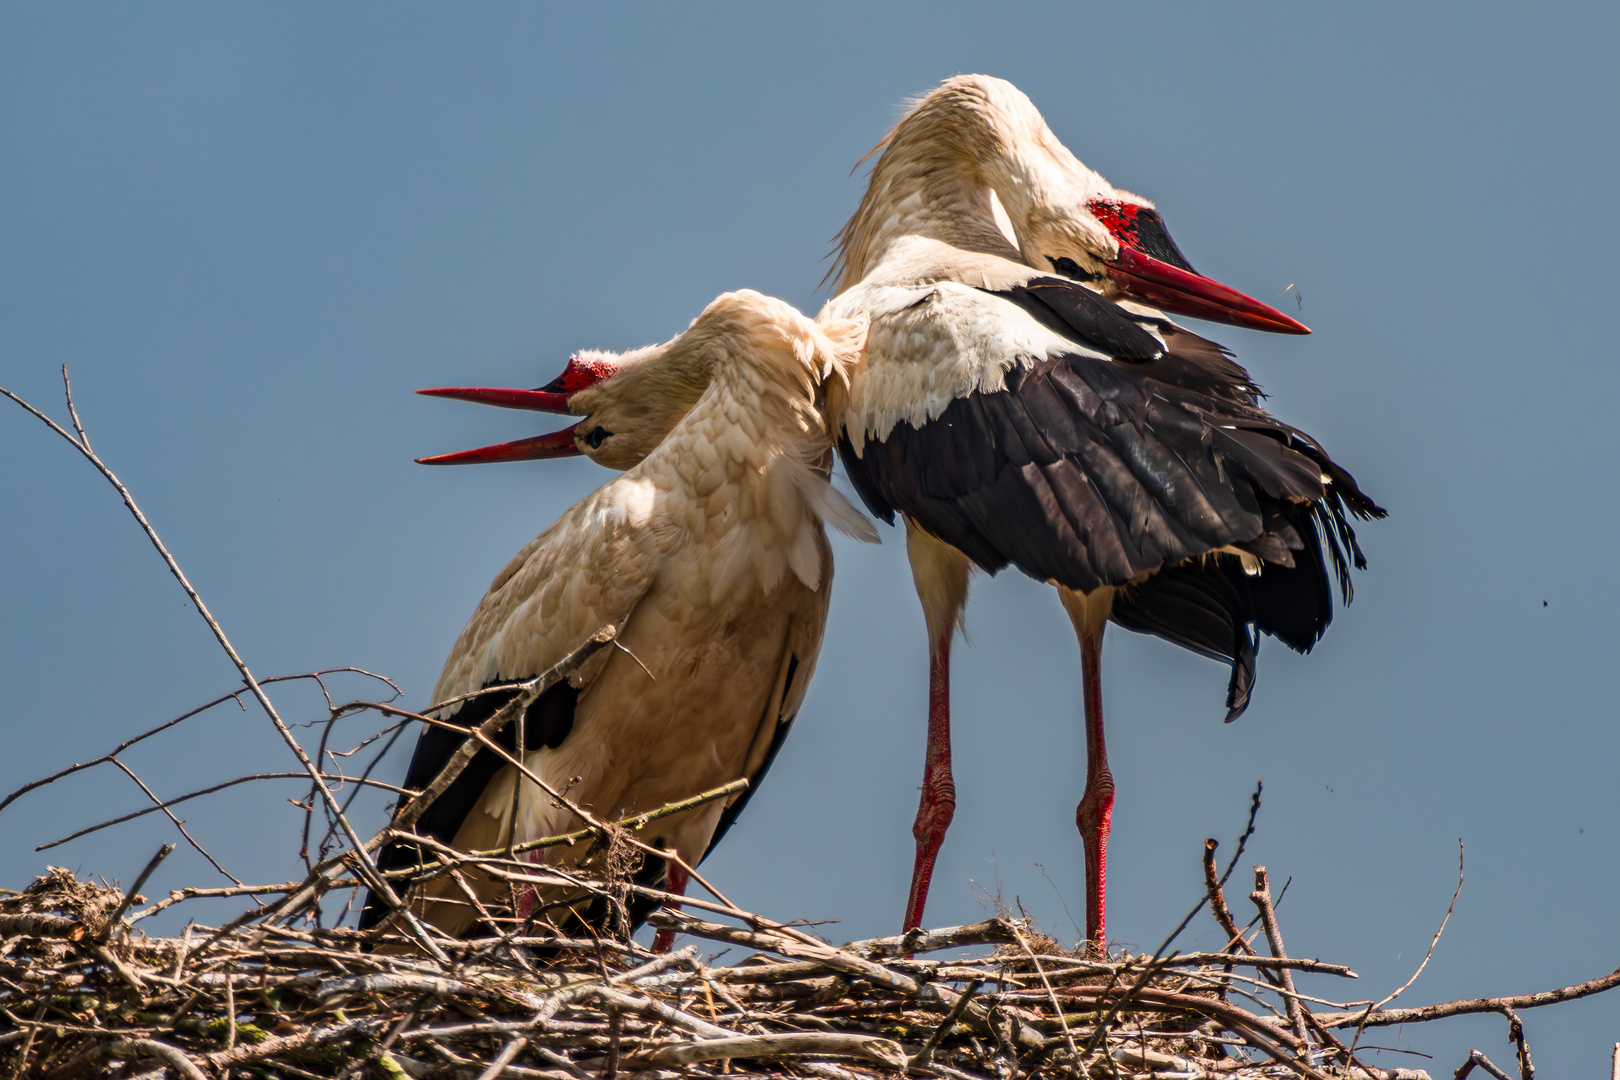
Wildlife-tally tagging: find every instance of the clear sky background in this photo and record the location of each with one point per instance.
(252, 230)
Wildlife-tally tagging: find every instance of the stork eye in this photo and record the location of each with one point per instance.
(596, 436)
(1070, 269)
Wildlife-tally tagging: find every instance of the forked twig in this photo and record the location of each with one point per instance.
(1475, 1058)
(527, 692)
(1153, 964)
(1527, 1070)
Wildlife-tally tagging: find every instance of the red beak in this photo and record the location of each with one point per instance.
(1151, 268)
(532, 400)
(557, 444)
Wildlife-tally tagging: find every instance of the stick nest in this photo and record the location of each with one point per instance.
(82, 994)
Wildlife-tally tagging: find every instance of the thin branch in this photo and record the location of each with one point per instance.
(82, 445)
(1154, 964)
(158, 805)
(921, 1058)
(1527, 1071)
(1432, 943)
(1063, 1023)
(1464, 1007)
(234, 695)
(1218, 908)
(129, 895)
(528, 692)
(200, 792)
(496, 722)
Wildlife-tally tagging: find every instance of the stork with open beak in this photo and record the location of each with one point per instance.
(1025, 401)
(711, 556)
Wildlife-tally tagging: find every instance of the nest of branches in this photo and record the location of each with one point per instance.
(82, 993)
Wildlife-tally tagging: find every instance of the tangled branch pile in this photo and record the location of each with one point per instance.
(85, 995)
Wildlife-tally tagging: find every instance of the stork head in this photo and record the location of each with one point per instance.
(626, 408)
(988, 173)
(629, 402)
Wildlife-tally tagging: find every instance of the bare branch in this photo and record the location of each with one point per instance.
(528, 692)
(82, 445)
(1475, 1058)
(1432, 943)
(129, 895)
(158, 805)
(1387, 1017)
(234, 695)
(1261, 898)
(164, 804)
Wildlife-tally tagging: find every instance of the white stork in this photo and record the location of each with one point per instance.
(1020, 404)
(711, 555)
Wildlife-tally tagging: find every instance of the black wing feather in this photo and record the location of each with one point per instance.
(546, 723)
(1088, 473)
(1083, 315)
(784, 724)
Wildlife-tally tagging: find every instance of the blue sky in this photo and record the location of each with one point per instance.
(252, 230)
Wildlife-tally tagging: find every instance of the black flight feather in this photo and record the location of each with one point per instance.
(1088, 472)
(783, 725)
(546, 723)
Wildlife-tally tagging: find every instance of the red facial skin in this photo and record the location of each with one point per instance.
(1181, 291)
(581, 374)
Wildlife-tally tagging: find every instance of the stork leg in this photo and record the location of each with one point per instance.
(938, 804)
(940, 573)
(664, 940)
(527, 897)
(1094, 815)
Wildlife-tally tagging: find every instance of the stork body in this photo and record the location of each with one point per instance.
(709, 553)
(1021, 405)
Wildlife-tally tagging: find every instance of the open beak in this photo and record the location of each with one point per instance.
(1151, 268)
(555, 445)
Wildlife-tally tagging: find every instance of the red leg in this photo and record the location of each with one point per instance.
(1096, 809)
(938, 804)
(526, 897)
(664, 940)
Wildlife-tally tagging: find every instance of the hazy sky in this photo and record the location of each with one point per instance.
(252, 230)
